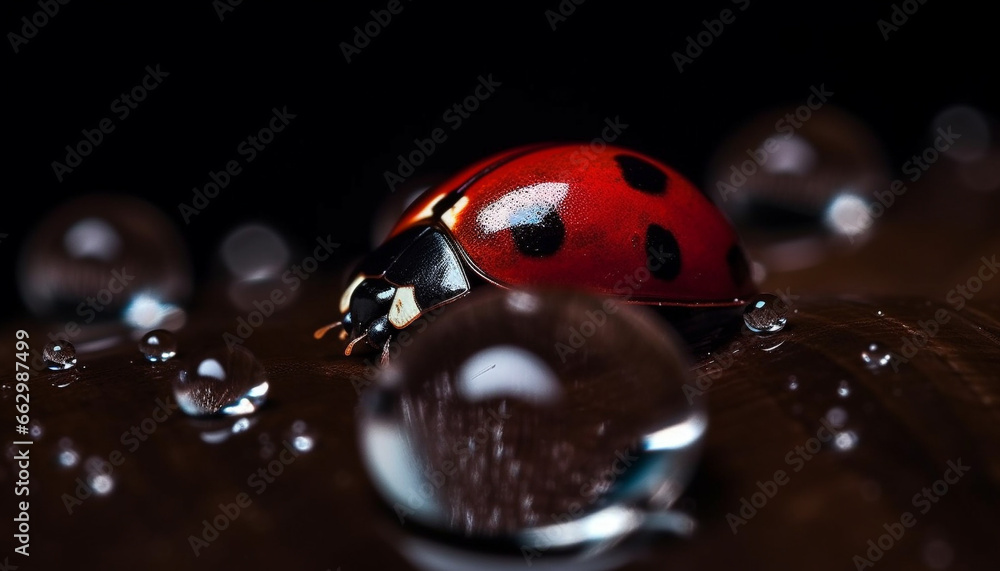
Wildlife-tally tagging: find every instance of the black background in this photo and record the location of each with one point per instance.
(324, 174)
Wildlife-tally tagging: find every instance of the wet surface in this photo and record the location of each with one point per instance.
(120, 474)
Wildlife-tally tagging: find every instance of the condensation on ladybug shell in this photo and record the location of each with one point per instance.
(533, 415)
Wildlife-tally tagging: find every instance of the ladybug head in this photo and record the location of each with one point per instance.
(412, 273)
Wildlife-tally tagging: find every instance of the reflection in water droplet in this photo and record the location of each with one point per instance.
(843, 389)
(227, 382)
(461, 440)
(875, 356)
(145, 312)
(158, 345)
(218, 434)
(63, 379)
(765, 314)
(59, 355)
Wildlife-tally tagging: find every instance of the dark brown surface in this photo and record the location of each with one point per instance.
(321, 512)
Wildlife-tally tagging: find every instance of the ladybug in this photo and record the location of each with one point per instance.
(615, 223)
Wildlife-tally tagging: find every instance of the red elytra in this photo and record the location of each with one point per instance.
(604, 222)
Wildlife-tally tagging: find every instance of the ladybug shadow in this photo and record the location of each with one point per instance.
(703, 329)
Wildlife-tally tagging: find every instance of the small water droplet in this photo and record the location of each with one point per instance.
(222, 382)
(35, 429)
(845, 440)
(59, 355)
(843, 389)
(875, 356)
(765, 314)
(68, 457)
(880, 313)
(101, 484)
(793, 382)
(158, 345)
(836, 416)
(303, 443)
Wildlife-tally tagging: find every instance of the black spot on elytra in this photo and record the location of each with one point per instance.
(542, 238)
(737, 263)
(642, 175)
(664, 253)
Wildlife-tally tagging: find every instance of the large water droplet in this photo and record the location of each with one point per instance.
(105, 247)
(59, 355)
(158, 345)
(875, 356)
(226, 382)
(765, 314)
(482, 425)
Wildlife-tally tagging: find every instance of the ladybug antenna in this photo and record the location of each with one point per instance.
(319, 333)
(350, 345)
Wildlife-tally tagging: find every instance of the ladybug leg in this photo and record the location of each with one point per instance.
(319, 333)
(385, 354)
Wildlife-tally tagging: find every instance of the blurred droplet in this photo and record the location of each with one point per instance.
(837, 417)
(967, 129)
(765, 313)
(67, 457)
(255, 252)
(158, 345)
(145, 312)
(490, 400)
(225, 382)
(59, 355)
(88, 257)
(846, 440)
(794, 182)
